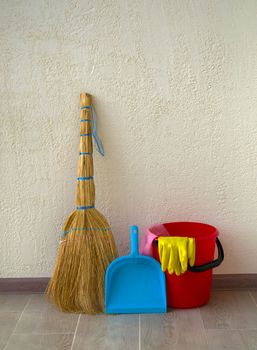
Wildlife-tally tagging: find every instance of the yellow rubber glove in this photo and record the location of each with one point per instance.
(175, 253)
(191, 251)
(168, 254)
(164, 253)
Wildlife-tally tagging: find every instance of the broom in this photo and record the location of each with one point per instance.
(87, 246)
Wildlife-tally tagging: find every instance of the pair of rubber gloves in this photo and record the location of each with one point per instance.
(175, 253)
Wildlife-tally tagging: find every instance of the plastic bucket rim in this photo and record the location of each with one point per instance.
(215, 232)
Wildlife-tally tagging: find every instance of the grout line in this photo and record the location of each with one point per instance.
(231, 329)
(251, 296)
(139, 332)
(18, 321)
(75, 333)
(44, 333)
(201, 319)
(22, 313)
(203, 328)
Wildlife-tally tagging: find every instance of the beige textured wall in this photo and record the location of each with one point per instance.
(175, 86)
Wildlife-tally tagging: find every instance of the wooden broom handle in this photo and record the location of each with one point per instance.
(85, 127)
(85, 186)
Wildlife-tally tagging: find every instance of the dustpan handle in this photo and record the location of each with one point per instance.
(134, 240)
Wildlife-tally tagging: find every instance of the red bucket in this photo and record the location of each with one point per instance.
(193, 288)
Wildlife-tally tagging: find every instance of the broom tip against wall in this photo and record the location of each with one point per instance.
(85, 99)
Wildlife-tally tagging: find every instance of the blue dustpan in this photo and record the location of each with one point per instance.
(135, 283)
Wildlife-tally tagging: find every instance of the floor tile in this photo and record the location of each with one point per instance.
(8, 322)
(40, 342)
(230, 310)
(229, 321)
(178, 329)
(231, 339)
(120, 332)
(249, 339)
(224, 339)
(40, 316)
(38, 302)
(13, 302)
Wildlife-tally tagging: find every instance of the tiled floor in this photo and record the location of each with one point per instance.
(28, 322)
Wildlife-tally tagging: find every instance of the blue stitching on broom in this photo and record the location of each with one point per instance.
(85, 207)
(98, 143)
(64, 233)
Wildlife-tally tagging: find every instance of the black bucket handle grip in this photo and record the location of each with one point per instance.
(210, 264)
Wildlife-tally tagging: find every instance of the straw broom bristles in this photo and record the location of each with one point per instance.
(87, 247)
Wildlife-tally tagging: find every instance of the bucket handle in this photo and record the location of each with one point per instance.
(211, 264)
